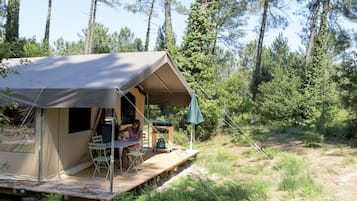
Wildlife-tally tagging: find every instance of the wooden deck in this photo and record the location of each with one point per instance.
(82, 185)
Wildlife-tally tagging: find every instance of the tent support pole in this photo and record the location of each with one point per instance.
(40, 149)
(148, 117)
(112, 152)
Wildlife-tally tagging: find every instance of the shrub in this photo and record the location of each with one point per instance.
(313, 139)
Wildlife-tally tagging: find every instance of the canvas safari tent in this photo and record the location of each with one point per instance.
(60, 100)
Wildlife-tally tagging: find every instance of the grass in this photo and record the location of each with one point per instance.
(218, 162)
(349, 160)
(236, 171)
(193, 188)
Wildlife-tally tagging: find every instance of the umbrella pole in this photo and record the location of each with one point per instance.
(192, 134)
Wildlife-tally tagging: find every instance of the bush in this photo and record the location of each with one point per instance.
(313, 139)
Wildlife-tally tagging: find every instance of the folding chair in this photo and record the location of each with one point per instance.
(97, 139)
(135, 159)
(99, 158)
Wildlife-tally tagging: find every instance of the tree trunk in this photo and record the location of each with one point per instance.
(315, 14)
(12, 22)
(169, 36)
(46, 39)
(90, 29)
(147, 39)
(260, 49)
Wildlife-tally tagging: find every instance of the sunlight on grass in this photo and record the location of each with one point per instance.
(197, 189)
(349, 160)
(296, 179)
(254, 170)
(291, 164)
(219, 162)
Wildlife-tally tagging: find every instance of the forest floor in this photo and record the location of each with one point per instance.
(332, 166)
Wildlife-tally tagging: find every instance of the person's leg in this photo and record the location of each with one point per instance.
(124, 158)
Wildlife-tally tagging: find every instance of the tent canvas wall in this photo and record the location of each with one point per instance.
(51, 86)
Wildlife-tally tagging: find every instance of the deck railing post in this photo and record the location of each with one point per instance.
(40, 149)
(112, 152)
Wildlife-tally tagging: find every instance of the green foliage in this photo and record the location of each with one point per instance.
(194, 59)
(125, 41)
(103, 42)
(280, 99)
(319, 90)
(197, 189)
(347, 82)
(232, 96)
(68, 48)
(52, 197)
(12, 21)
(313, 139)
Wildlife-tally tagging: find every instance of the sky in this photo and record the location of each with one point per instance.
(69, 17)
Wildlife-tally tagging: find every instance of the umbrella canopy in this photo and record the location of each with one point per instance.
(194, 115)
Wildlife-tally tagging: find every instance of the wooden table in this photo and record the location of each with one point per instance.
(155, 132)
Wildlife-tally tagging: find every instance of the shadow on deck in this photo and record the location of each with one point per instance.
(83, 185)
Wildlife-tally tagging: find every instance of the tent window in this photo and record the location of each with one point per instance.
(127, 108)
(79, 119)
(19, 134)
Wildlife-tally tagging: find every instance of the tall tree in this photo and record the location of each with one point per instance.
(259, 49)
(275, 20)
(2, 18)
(91, 25)
(148, 8)
(12, 22)
(169, 34)
(314, 16)
(147, 37)
(195, 61)
(46, 39)
(229, 18)
(91, 22)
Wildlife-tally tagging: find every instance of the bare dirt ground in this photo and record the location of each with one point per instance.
(333, 164)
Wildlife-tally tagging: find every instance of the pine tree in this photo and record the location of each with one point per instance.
(12, 22)
(195, 61)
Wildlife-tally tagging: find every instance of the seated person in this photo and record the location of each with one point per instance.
(135, 133)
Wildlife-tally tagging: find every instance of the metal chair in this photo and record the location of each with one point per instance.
(99, 158)
(135, 159)
(97, 139)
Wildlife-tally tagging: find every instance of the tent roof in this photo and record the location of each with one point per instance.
(95, 80)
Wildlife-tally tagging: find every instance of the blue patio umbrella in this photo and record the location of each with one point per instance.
(194, 116)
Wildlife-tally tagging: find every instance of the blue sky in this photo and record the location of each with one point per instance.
(70, 17)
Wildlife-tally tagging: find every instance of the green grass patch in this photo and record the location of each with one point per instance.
(303, 186)
(219, 162)
(263, 154)
(313, 139)
(254, 170)
(290, 164)
(197, 189)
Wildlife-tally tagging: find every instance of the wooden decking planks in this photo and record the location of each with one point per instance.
(82, 185)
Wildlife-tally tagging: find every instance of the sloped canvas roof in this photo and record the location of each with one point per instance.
(95, 80)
